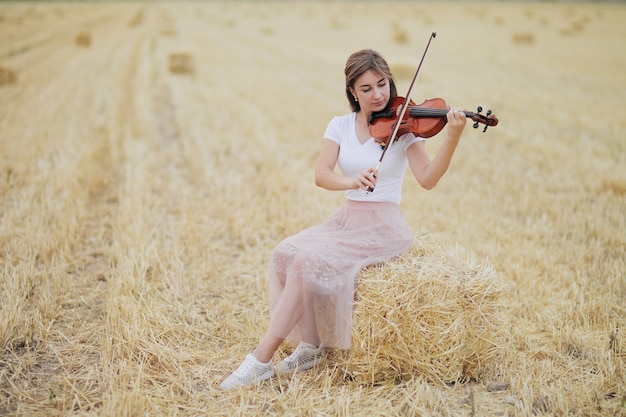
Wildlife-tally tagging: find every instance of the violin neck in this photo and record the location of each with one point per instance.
(429, 112)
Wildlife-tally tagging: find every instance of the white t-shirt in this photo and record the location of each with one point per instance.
(355, 157)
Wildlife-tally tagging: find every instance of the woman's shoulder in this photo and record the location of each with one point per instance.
(343, 119)
(342, 122)
(339, 126)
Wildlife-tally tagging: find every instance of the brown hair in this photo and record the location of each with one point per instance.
(360, 62)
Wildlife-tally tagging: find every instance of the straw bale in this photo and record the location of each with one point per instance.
(403, 71)
(137, 19)
(431, 314)
(527, 38)
(400, 36)
(7, 76)
(83, 39)
(181, 63)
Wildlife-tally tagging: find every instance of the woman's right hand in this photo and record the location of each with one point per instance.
(365, 179)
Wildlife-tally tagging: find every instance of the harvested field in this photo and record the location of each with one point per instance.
(145, 179)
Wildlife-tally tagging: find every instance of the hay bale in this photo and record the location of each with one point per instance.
(7, 76)
(400, 36)
(430, 314)
(83, 39)
(523, 38)
(402, 71)
(137, 19)
(181, 63)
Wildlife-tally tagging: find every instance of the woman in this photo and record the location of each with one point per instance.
(313, 274)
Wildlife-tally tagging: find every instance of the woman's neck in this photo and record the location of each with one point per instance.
(362, 118)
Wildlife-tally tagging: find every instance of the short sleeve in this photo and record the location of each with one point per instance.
(409, 139)
(333, 130)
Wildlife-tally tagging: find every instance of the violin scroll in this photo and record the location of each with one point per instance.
(487, 119)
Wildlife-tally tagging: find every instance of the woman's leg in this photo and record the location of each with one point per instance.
(290, 309)
(267, 347)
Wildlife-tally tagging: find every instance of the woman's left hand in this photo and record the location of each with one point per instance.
(456, 123)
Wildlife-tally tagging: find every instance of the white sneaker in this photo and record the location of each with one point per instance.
(304, 357)
(250, 372)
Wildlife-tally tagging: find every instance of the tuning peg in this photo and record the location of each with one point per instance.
(480, 108)
(488, 112)
(475, 125)
(485, 129)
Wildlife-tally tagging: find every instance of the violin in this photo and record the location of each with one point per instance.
(424, 120)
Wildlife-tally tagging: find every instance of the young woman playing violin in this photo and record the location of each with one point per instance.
(313, 274)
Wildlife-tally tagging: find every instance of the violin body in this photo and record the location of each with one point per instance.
(424, 120)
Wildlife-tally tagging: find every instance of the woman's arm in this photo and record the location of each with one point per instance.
(326, 177)
(427, 172)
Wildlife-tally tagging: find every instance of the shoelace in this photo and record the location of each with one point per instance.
(245, 366)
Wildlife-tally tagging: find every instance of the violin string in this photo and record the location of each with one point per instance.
(417, 111)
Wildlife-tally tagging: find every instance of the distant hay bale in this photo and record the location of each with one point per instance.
(576, 27)
(267, 30)
(337, 24)
(616, 186)
(181, 63)
(83, 39)
(7, 76)
(430, 314)
(400, 36)
(137, 19)
(402, 71)
(427, 20)
(526, 38)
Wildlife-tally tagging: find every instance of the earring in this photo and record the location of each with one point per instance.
(356, 99)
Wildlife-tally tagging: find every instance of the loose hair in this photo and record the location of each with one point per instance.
(360, 62)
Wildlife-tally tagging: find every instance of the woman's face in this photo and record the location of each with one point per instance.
(372, 90)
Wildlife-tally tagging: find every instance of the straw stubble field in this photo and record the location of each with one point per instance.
(153, 154)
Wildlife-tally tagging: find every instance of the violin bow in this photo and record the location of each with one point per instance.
(405, 105)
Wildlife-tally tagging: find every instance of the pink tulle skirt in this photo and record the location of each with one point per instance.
(313, 274)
